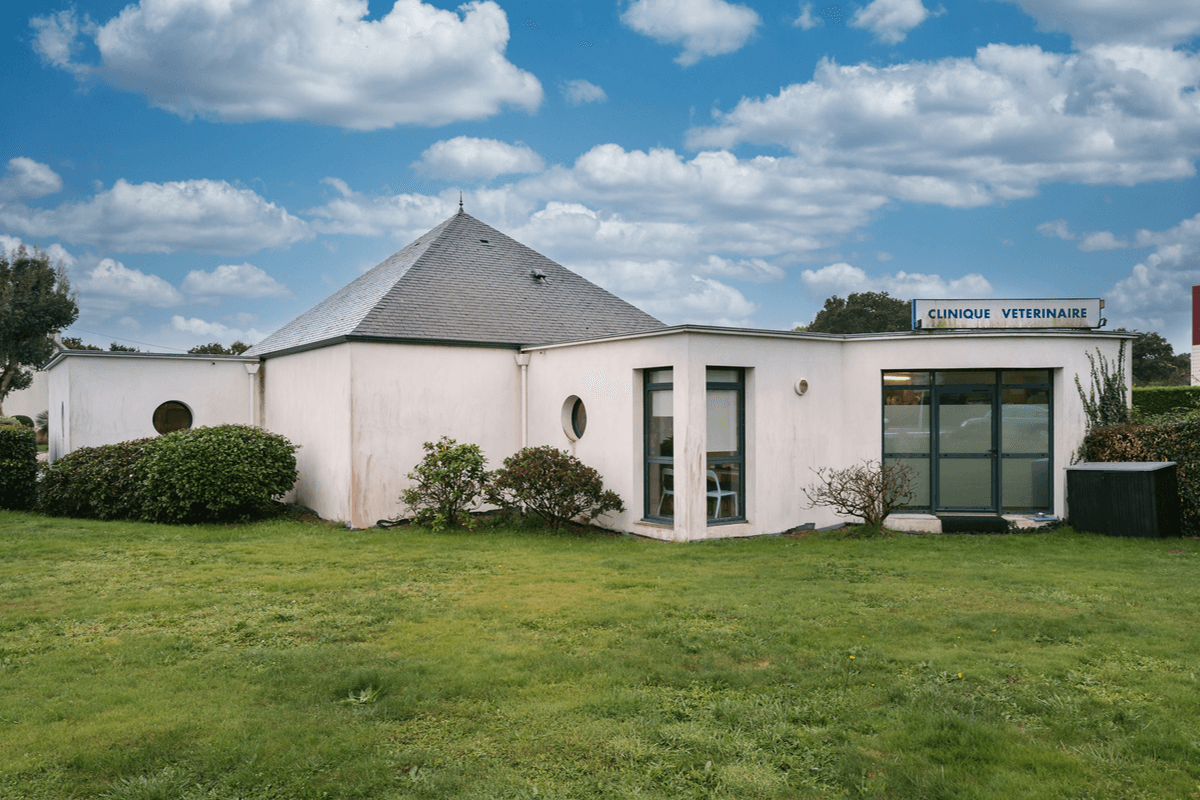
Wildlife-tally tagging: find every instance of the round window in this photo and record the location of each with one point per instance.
(574, 418)
(172, 416)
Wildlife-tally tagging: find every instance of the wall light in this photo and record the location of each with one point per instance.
(801, 387)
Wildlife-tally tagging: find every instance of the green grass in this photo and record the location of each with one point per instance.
(289, 660)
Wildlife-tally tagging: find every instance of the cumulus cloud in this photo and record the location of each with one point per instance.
(703, 27)
(56, 252)
(1154, 22)
(465, 158)
(580, 91)
(245, 281)
(200, 215)
(1157, 294)
(316, 60)
(890, 20)
(1101, 240)
(116, 287)
(208, 331)
(1057, 229)
(404, 216)
(807, 20)
(843, 279)
(705, 302)
(971, 131)
(27, 178)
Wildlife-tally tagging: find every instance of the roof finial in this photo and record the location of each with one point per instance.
(460, 202)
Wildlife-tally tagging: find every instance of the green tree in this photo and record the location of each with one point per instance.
(218, 349)
(120, 348)
(863, 312)
(35, 301)
(1155, 363)
(75, 343)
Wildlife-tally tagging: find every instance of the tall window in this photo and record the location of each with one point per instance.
(975, 440)
(726, 423)
(659, 432)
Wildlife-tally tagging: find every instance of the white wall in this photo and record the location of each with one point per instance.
(31, 401)
(98, 398)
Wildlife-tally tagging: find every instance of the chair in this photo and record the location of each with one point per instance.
(717, 494)
(666, 490)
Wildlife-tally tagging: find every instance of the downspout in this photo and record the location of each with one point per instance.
(523, 363)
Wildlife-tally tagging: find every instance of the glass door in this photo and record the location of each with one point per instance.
(966, 441)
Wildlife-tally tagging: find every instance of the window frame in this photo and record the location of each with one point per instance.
(648, 458)
(738, 459)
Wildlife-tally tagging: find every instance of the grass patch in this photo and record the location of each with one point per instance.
(293, 660)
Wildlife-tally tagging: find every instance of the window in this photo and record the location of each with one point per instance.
(574, 418)
(975, 440)
(725, 425)
(172, 416)
(659, 436)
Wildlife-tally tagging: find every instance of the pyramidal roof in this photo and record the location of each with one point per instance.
(462, 282)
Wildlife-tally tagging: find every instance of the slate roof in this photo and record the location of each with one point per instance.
(462, 282)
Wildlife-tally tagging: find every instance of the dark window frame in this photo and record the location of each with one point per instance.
(739, 459)
(649, 458)
(162, 408)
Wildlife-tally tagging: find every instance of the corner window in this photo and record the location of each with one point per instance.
(659, 436)
(725, 427)
(172, 416)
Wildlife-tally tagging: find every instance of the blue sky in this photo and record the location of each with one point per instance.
(209, 169)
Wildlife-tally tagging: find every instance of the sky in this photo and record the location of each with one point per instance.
(207, 170)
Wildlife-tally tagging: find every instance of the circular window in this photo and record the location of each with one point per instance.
(574, 418)
(172, 416)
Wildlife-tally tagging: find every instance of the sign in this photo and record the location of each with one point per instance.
(1072, 312)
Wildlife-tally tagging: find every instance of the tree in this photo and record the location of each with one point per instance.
(1155, 364)
(218, 349)
(75, 343)
(120, 348)
(35, 301)
(863, 312)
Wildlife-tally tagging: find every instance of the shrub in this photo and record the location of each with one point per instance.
(1150, 401)
(229, 472)
(554, 485)
(1172, 439)
(18, 466)
(95, 482)
(870, 490)
(447, 484)
(24, 420)
(1105, 402)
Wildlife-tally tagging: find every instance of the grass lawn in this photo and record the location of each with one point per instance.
(290, 660)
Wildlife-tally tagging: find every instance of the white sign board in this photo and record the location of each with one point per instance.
(1072, 312)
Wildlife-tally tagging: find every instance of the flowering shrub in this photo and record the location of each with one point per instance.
(447, 485)
(554, 485)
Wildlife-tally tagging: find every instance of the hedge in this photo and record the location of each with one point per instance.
(1175, 440)
(1152, 400)
(96, 482)
(18, 466)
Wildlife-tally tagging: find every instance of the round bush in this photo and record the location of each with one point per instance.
(95, 482)
(229, 472)
(18, 467)
(553, 484)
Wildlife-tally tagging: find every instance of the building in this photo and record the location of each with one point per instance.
(705, 432)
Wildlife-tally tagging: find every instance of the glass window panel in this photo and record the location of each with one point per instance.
(965, 422)
(662, 491)
(1025, 484)
(963, 378)
(722, 420)
(906, 379)
(662, 423)
(660, 376)
(1025, 376)
(965, 482)
(715, 375)
(906, 420)
(918, 480)
(723, 487)
(1025, 421)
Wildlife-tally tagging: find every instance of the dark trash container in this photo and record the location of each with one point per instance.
(1124, 498)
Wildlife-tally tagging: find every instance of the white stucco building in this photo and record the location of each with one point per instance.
(703, 431)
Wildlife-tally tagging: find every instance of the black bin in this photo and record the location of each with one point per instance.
(1124, 498)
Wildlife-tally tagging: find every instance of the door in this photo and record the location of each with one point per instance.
(965, 442)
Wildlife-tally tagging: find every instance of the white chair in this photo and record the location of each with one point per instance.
(717, 494)
(666, 490)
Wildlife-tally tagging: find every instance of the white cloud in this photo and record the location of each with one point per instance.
(890, 20)
(200, 215)
(971, 131)
(1156, 22)
(1056, 229)
(404, 216)
(806, 20)
(1101, 240)
(28, 178)
(705, 302)
(703, 27)
(580, 91)
(205, 331)
(235, 280)
(1157, 294)
(119, 287)
(465, 157)
(843, 279)
(755, 270)
(316, 60)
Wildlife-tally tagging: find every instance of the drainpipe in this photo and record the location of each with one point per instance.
(523, 363)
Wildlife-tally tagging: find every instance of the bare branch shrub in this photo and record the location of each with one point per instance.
(870, 490)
